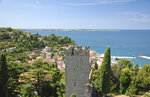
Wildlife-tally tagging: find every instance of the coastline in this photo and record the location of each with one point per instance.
(123, 42)
(114, 59)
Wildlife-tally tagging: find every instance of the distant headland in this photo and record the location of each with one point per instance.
(69, 29)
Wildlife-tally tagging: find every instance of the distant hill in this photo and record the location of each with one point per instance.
(69, 29)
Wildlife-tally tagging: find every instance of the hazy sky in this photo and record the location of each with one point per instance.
(75, 14)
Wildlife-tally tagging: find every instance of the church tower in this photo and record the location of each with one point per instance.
(77, 71)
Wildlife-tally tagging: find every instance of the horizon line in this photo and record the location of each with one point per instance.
(77, 29)
(74, 28)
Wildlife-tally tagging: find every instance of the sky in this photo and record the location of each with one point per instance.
(75, 14)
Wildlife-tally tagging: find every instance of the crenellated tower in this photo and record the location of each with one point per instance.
(77, 71)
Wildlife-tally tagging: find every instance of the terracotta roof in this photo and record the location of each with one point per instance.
(22, 80)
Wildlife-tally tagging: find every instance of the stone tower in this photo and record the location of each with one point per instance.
(77, 71)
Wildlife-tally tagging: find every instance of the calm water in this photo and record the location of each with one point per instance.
(129, 43)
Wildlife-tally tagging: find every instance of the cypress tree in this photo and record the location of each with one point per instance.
(3, 76)
(105, 71)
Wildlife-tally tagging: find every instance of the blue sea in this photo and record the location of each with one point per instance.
(130, 43)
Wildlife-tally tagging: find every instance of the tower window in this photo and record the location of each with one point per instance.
(74, 83)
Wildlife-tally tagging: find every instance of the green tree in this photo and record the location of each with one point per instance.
(38, 73)
(61, 87)
(3, 76)
(136, 68)
(96, 66)
(55, 80)
(73, 95)
(96, 81)
(95, 76)
(116, 71)
(105, 71)
(45, 79)
(124, 80)
(132, 89)
(27, 90)
(13, 84)
(117, 68)
(143, 79)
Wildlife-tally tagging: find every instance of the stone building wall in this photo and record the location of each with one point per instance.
(77, 71)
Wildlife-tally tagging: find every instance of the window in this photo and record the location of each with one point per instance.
(74, 83)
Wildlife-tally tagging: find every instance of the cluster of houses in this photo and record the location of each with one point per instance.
(47, 55)
(94, 58)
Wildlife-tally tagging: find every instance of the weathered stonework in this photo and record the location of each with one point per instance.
(77, 71)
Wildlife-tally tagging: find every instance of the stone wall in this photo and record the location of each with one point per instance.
(77, 71)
